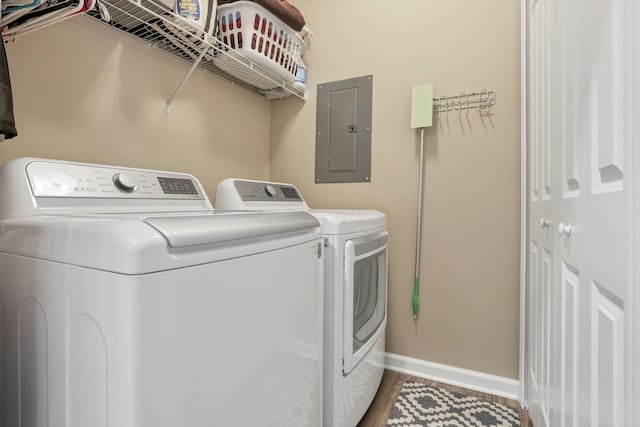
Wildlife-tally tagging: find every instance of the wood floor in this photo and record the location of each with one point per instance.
(391, 385)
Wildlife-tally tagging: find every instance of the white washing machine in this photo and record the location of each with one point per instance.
(125, 301)
(355, 292)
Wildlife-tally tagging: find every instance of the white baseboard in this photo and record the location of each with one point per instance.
(477, 381)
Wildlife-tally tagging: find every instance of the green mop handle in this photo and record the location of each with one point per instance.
(416, 282)
(421, 118)
(416, 297)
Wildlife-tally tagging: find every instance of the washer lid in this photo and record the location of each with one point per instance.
(140, 244)
(180, 231)
(343, 221)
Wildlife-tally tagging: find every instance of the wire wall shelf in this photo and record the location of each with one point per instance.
(155, 24)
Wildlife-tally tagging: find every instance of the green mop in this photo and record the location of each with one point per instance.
(421, 118)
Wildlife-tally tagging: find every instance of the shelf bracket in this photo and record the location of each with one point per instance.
(186, 77)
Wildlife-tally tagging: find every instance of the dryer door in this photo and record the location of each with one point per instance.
(365, 296)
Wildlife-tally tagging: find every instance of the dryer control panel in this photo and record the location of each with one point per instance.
(241, 194)
(253, 191)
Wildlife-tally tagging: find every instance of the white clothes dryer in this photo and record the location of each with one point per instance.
(126, 301)
(355, 292)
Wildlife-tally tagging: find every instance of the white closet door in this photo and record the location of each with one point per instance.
(608, 224)
(579, 329)
(571, 132)
(541, 245)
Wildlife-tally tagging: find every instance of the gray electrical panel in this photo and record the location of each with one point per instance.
(343, 130)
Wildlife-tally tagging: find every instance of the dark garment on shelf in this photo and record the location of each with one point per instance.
(7, 122)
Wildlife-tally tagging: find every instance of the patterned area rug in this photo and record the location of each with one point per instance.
(420, 405)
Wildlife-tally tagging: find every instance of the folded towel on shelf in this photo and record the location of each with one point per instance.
(7, 122)
(282, 9)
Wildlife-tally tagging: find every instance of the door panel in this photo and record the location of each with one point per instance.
(607, 366)
(546, 29)
(569, 353)
(534, 317)
(546, 337)
(571, 167)
(569, 93)
(535, 334)
(607, 88)
(611, 124)
(532, 101)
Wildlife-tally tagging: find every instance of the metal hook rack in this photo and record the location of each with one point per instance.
(482, 100)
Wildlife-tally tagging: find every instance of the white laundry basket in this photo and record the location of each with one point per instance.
(253, 31)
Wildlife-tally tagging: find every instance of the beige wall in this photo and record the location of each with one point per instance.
(470, 262)
(85, 92)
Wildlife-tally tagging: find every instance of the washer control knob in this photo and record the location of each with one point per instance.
(270, 190)
(125, 182)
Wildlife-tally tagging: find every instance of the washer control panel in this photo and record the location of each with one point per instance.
(253, 191)
(52, 179)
